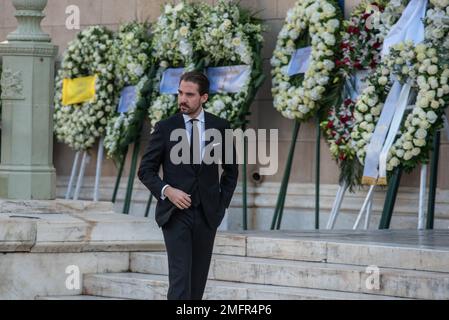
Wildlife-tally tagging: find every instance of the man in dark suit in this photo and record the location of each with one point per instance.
(192, 199)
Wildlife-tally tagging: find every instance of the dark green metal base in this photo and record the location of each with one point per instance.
(147, 209)
(277, 217)
(390, 199)
(119, 176)
(132, 176)
(433, 180)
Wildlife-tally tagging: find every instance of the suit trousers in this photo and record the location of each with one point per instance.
(189, 242)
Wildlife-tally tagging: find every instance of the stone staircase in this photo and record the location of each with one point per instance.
(304, 265)
(46, 246)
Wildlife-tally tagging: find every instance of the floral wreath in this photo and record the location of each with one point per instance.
(426, 67)
(413, 144)
(172, 48)
(361, 42)
(228, 35)
(81, 124)
(130, 54)
(299, 97)
(384, 20)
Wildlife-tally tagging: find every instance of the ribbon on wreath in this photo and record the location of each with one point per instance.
(409, 27)
(229, 79)
(78, 90)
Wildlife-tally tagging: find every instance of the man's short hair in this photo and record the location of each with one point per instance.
(199, 78)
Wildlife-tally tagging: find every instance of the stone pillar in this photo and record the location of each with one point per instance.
(26, 168)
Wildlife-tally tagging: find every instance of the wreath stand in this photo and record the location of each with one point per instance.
(82, 168)
(280, 203)
(391, 195)
(277, 217)
(131, 179)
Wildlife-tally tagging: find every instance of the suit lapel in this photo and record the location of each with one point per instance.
(207, 125)
(178, 123)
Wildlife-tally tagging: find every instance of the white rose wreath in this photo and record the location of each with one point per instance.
(80, 125)
(172, 48)
(130, 55)
(427, 68)
(361, 44)
(310, 22)
(227, 35)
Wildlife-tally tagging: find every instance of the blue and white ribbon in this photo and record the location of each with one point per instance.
(170, 81)
(300, 61)
(409, 27)
(230, 79)
(370, 172)
(127, 99)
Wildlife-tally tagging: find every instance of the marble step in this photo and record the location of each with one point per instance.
(77, 227)
(315, 275)
(79, 297)
(28, 275)
(340, 247)
(154, 287)
(54, 206)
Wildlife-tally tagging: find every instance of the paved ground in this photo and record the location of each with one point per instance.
(431, 239)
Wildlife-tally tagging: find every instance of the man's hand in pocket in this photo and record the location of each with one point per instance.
(178, 197)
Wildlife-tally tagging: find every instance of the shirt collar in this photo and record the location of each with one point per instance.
(200, 117)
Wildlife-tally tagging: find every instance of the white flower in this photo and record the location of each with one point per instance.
(408, 155)
(218, 105)
(416, 151)
(367, 136)
(419, 142)
(400, 153)
(333, 23)
(372, 102)
(236, 42)
(184, 31)
(375, 111)
(421, 133)
(432, 69)
(328, 64)
(139, 70)
(362, 107)
(369, 118)
(434, 104)
(179, 7)
(407, 145)
(431, 116)
(394, 162)
(328, 38)
(383, 80)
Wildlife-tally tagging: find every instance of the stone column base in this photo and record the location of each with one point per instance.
(25, 183)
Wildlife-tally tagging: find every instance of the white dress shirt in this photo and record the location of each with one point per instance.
(202, 129)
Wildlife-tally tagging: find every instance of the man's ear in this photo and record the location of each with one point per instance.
(204, 98)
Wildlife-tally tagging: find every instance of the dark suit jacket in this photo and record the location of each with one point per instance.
(215, 193)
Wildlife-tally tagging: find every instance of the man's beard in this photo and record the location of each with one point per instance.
(185, 109)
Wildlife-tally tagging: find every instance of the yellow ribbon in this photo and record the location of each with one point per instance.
(78, 90)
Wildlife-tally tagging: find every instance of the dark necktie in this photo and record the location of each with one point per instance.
(195, 146)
